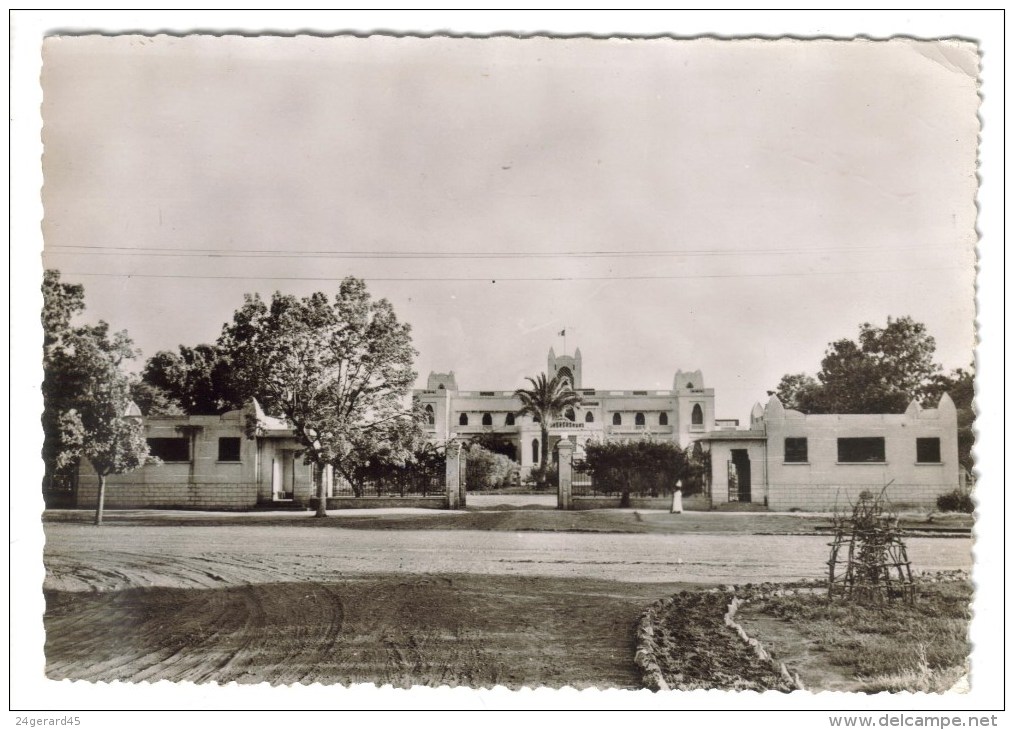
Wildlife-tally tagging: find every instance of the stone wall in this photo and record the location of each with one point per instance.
(828, 498)
(377, 502)
(695, 503)
(821, 481)
(614, 502)
(121, 495)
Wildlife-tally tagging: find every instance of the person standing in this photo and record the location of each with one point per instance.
(677, 499)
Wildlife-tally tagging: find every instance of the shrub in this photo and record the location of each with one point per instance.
(956, 501)
(547, 478)
(642, 467)
(486, 470)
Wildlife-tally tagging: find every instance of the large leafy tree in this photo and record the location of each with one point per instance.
(152, 400)
(799, 391)
(338, 370)
(104, 425)
(881, 372)
(544, 401)
(390, 447)
(86, 393)
(645, 467)
(199, 379)
(61, 303)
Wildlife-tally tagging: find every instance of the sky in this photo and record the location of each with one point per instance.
(725, 206)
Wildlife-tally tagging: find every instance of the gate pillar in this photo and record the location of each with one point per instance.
(565, 462)
(454, 483)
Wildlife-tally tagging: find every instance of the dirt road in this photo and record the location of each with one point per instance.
(404, 630)
(83, 558)
(311, 601)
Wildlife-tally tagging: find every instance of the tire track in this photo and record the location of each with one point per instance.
(247, 633)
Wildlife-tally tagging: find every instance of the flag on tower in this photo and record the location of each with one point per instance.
(563, 333)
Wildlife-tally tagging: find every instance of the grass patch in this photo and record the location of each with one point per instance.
(891, 647)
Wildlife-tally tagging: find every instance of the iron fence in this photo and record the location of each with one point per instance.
(583, 485)
(398, 483)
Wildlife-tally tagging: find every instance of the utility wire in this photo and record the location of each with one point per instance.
(83, 250)
(513, 279)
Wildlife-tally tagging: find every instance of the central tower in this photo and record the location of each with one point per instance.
(569, 367)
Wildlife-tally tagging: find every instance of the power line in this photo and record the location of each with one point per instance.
(494, 280)
(84, 250)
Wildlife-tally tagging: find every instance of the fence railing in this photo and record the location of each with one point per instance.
(582, 485)
(60, 490)
(401, 484)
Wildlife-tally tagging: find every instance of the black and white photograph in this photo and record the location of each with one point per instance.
(644, 362)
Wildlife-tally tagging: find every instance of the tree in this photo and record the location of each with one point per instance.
(61, 303)
(421, 473)
(495, 443)
(960, 386)
(153, 400)
(882, 372)
(544, 401)
(102, 425)
(799, 392)
(646, 467)
(698, 479)
(338, 371)
(388, 451)
(198, 378)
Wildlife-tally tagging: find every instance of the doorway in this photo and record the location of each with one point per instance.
(283, 475)
(739, 476)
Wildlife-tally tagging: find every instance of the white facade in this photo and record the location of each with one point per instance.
(682, 414)
(208, 462)
(789, 460)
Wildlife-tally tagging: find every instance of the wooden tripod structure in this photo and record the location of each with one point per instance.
(869, 563)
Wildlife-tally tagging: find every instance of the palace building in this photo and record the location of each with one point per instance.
(682, 414)
(781, 460)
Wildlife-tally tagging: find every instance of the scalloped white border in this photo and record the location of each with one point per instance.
(28, 689)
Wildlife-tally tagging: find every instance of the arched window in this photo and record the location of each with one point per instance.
(510, 420)
(487, 419)
(589, 417)
(689, 386)
(463, 419)
(697, 415)
(617, 419)
(565, 374)
(535, 451)
(569, 414)
(663, 419)
(429, 415)
(440, 387)
(638, 419)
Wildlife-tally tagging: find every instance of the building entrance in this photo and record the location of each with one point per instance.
(739, 476)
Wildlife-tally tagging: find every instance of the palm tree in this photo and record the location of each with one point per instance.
(544, 401)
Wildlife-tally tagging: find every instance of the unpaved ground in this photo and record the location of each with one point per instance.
(495, 517)
(297, 599)
(791, 645)
(520, 517)
(696, 650)
(114, 557)
(404, 630)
